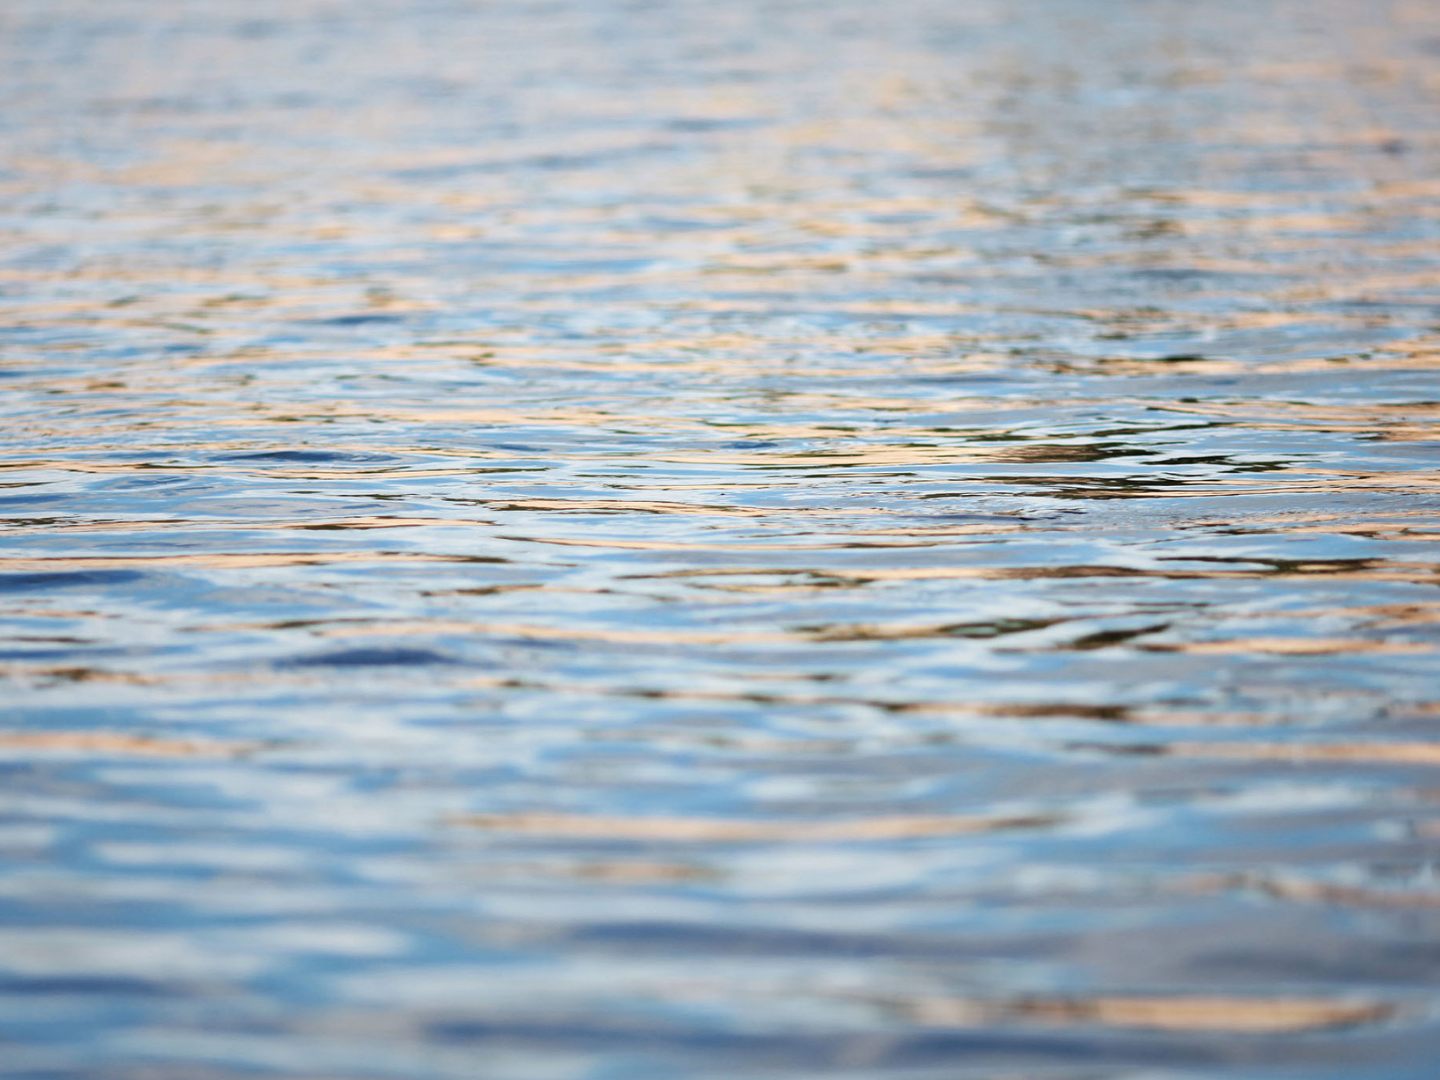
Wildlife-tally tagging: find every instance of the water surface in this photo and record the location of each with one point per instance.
(603, 540)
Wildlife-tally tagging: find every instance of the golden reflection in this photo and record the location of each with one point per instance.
(117, 743)
(1299, 890)
(1217, 1014)
(738, 831)
(1301, 753)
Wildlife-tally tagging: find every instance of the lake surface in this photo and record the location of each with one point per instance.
(585, 540)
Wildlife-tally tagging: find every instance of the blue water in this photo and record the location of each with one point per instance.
(581, 540)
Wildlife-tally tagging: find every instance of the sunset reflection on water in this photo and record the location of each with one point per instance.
(578, 539)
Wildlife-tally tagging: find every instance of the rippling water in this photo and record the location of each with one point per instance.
(604, 540)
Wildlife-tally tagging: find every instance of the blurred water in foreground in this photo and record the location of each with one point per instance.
(781, 539)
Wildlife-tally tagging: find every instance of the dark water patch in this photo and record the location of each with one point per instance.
(99, 986)
(359, 320)
(1104, 639)
(70, 579)
(377, 657)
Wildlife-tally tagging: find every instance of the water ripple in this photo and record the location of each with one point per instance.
(557, 540)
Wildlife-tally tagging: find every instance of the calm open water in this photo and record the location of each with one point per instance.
(586, 540)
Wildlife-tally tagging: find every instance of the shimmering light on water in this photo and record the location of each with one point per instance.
(578, 539)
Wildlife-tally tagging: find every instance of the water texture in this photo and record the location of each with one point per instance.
(555, 539)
